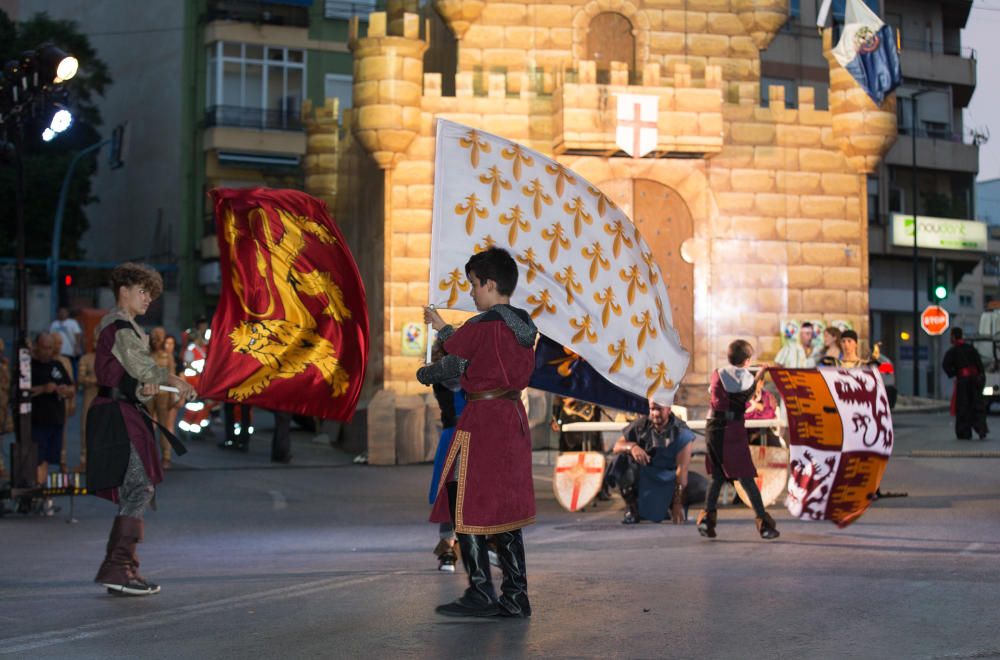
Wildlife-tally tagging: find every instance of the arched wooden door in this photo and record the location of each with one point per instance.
(610, 39)
(665, 222)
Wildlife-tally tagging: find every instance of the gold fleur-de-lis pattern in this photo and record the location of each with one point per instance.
(586, 276)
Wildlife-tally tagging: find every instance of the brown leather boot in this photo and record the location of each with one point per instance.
(766, 527)
(118, 571)
(706, 523)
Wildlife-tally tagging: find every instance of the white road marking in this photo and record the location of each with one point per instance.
(161, 617)
(971, 548)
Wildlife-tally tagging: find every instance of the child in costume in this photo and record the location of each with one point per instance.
(487, 484)
(726, 439)
(122, 461)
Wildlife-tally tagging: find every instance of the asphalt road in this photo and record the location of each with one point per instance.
(327, 559)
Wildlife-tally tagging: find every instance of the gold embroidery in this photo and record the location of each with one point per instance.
(562, 176)
(557, 239)
(462, 445)
(567, 277)
(516, 153)
(528, 259)
(632, 277)
(645, 324)
(660, 379)
(471, 209)
(597, 259)
(543, 303)
(580, 215)
(496, 181)
(536, 191)
(455, 282)
(618, 351)
(584, 329)
(607, 298)
(476, 143)
(516, 220)
(617, 229)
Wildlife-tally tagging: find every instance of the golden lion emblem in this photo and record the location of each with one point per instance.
(284, 351)
(285, 347)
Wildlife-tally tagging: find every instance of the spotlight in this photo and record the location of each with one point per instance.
(55, 66)
(59, 120)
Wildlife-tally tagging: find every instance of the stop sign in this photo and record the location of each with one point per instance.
(934, 320)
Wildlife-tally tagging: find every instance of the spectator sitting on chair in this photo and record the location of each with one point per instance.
(650, 466)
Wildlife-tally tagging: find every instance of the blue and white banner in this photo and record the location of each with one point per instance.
(867, 49)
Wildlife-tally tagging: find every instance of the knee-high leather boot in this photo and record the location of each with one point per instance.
(514, 589)
(118, 571)
(480, 598)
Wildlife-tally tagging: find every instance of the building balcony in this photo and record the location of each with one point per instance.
(935, 151)
(264, 119)
(941, 63)
(689, 119)
(260, 12)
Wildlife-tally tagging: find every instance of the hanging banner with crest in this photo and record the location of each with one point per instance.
(291, 329)
(840, 437)
(587, 277)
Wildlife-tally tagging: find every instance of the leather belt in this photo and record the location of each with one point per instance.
(725, 415)
(114, 393)
(967, 372)
(499, 393)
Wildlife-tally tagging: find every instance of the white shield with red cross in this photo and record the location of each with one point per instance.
(636, 132)
(772, 473)
(577, 478)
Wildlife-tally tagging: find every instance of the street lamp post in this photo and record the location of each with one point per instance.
(916, 252)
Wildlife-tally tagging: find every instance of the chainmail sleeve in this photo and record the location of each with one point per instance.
(447, 368)
(132, 351)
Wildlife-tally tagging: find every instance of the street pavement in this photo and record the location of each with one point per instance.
(324, 558)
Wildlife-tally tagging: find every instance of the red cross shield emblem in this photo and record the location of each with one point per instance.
(636, 131)
(578, 478)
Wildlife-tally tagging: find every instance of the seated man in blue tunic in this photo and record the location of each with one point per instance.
(650, 466)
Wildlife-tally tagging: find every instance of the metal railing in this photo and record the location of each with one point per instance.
(257, 11)
(259, 118)
(937, 48)
(934, 134)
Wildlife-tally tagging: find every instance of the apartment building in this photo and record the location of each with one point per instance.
(929, 172)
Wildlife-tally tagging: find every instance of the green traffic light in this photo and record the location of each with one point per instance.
(940, 292)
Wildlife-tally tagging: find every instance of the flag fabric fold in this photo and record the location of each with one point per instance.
(291, 329)
(867, 49)
(587, 277)
(840, 440)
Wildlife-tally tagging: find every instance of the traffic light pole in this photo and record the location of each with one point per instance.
(57, 230)
(916, 254)
(23, 463)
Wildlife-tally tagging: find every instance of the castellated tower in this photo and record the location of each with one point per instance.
(756, 214)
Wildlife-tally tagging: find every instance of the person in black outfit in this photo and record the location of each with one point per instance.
(962, 362)
(50, 386)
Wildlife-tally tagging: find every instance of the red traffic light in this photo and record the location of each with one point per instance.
(68, 280)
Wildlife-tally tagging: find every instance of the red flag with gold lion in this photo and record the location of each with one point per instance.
(291, 329)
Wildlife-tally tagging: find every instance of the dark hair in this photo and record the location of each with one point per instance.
(849, 334)
(130, 274)
(956, 333)
(807, 324)
(739, 352)
(833, 330)
(494, 264)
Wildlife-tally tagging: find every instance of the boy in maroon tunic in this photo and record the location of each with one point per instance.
(726, 439)
(486, 487)
(123, 464)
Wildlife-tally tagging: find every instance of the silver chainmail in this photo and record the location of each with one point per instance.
(136, 492)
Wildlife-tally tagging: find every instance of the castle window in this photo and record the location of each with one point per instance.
(610, 39)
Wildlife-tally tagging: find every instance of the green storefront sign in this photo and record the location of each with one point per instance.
(939, 233)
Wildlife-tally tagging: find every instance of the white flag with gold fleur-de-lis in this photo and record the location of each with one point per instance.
(588, 279)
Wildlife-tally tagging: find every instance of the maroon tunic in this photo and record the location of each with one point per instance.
(109, 373)
(726, 439)
(492, 441)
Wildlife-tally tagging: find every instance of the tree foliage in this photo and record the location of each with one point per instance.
(46, 164)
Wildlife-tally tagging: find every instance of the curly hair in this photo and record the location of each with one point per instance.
(130, 274)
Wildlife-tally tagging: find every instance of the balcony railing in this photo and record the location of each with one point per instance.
(937, 48)
(259, 118)
(934, 134)
(257, 11)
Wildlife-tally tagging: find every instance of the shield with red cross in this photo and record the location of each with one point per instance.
(772, 473)
(636, 130)
(578, 478)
